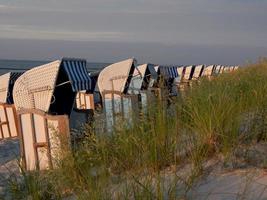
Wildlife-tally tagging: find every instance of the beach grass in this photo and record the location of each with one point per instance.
(208, 118)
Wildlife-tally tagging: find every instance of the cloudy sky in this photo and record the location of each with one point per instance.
(161, 31)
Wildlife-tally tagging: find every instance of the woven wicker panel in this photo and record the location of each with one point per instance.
(180, 70)
(4, 83)
(217, 69)
(232, 68)
(197, 71)
(187, 73)
(221, 69)
(208, 70)
(34, 89)
(114, 76)
(226, 69)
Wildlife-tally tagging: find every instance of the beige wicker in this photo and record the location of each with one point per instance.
(232, 68)
(221, 69)
(34, 89)
(226, 69)
(114, 77)
(4, 84)
(208, 70)
(186, 76)
(180, 71)
(197, 72)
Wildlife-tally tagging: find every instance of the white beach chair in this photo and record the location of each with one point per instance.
(44, 97)
(114, 83)
(8, 116)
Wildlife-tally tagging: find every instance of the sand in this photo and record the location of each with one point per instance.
(9, 156)
(219, 183)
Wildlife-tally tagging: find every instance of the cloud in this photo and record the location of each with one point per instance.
(27, 32)
(168, 21)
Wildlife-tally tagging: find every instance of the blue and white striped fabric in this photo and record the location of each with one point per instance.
(77, 73)
(169, 72)
(12, 79)
(14, 76)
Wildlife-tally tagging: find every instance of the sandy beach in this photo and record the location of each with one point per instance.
(9, 155)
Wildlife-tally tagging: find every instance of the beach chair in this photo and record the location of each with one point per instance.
(221, 69)
(216, 70)
(85, 100)
(226, 69)
(188, 74)
(170, 77)
(232, 68)
(44, 97)
(208, 71)
(8, 117)
(114, 86)
(143, 82)
(198, 72)
(236, 68)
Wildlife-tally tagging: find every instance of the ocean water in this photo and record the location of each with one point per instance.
(23, 65)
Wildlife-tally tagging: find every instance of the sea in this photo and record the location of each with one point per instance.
(23, 65)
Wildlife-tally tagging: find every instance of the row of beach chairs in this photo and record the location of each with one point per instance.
(42, 105)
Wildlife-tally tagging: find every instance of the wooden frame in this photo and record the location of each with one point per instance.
(118, 107)
(8, 121)
(85, 101)
(39, 147)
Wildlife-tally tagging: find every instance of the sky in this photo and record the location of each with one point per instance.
(157, 31)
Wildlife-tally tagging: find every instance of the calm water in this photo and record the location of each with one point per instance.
(22, 65)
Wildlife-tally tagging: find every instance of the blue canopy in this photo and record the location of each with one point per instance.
(77, 74)
(168, 72)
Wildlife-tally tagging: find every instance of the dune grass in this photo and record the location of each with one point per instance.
(210, 117)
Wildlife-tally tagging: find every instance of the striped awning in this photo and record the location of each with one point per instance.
(77, 74)
(12, 79)
(14, 76)
(168, 72)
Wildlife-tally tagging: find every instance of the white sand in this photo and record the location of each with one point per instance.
(218, 184)
(9, 155)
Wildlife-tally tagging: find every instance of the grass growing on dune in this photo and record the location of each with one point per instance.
(213, 116)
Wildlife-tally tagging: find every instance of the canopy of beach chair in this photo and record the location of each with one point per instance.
(116, 77)
(181, 70)
(52, 87)
(137, 79)
(221, 69)
(7, 82)
(208, 70)
(188, 73)
(168, 72)
(198, 71)
(144, 77)
(150, 76)
(217, 69)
